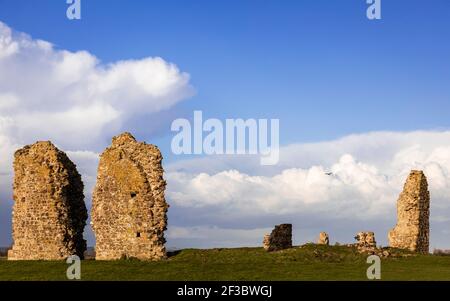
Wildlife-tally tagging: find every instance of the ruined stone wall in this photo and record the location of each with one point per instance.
(323, 239)
(128, 205)
(366, 241)
(49, 214)
(279, 239)
(413, 211)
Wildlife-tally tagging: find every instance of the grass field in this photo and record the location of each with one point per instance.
(309, 262)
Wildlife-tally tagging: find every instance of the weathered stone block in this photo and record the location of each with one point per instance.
(128, 206)
(366, 240)
(49, 214)
(323, 239)
(279, 239)
(413, 214)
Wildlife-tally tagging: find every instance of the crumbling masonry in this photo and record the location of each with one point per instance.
(323, 239)
(366, 241)
(49, 214)
(279, 239)
(128, 205)
(413, 212)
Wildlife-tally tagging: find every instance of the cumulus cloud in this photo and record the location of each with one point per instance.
(353, 187)
(356, 178)
(362, 183)
(74, 99)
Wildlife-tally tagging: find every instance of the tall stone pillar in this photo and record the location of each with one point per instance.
(128, 206)
(49, 214)
(413, 213)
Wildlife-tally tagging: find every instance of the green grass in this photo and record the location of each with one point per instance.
(309, 262)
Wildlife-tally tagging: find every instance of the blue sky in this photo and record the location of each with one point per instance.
(320, 66)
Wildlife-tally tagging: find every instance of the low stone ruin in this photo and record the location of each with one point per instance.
(366, 244)
(279, 239)
(323, 239)
(413, 212)
(366, 241)
(128, 205)
(49, 214)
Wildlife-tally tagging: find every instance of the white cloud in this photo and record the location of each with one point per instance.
(74, 99)
(354, 188)
(7, 45)
(368, 173)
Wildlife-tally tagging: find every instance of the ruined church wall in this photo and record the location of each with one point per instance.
(128, 207)
(413, 213)
(49, 214)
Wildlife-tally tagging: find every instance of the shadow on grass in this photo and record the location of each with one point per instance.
(173, 253)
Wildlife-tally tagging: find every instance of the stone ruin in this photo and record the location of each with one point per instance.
(49, 214)
(129, 211)
(279, 239)
(323, 239)
(128, 205)
(413, 212)
(366, 244)
(366, 241)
